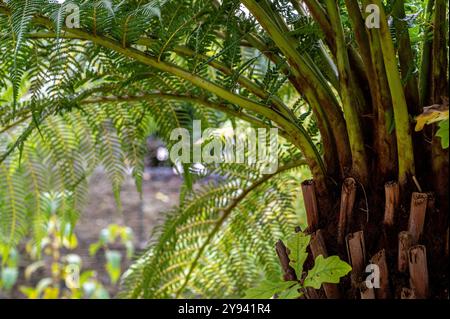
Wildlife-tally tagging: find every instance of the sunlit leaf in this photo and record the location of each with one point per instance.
(326, 270)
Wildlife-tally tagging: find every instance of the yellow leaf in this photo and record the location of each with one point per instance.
(51, 293)
(431, 114)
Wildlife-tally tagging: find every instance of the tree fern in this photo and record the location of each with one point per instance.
(88, 105)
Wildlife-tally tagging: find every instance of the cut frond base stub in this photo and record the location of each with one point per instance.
(417, 215)
(408, 293)
(318, 247)
(348, 195)
(356, 252)
(367, 293)
(356, 255)
(311, 207)
(418, 271)
(392, 197)
(384, 291)
(288, 271)
(405, 241)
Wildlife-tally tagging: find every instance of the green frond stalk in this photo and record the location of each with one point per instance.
(406, 167)
(425, 59)
(312, 84)
(185, 51)
(359, 159)
(406, 58)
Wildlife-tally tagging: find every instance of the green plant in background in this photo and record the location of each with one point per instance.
(326, 270)
(88, 284)
(9, 271)
(53, 255)
(114, 234)
(89, 288)
(50, 255)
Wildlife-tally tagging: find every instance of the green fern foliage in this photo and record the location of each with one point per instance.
(211, 246)
(69, 105)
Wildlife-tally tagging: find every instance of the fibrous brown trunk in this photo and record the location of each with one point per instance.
(396, 233)
(393, 214)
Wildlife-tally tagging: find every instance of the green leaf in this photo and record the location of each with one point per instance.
(113, 262)
(443, 133)
(86, 275)
(9, 277)
(267, 289)
(93, 248)
(329, 270)
(101, 293)
(297, 245)
(291, 293)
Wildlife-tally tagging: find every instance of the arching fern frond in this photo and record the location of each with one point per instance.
(199, 252)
